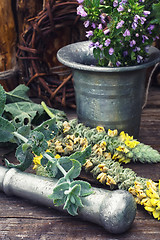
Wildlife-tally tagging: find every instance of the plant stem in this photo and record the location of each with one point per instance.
(46, 109)
(19, 136)
(57, 164)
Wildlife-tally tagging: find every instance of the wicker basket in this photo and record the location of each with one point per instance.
(54, 27)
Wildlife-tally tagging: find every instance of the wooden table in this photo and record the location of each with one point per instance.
(22, 219)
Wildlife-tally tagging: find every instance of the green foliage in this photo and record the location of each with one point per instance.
(68, 192)
(2, 100)
(48, 128)
(19, 94)
(156, 13)
(6, 130)
(24, 157)
(37, 141)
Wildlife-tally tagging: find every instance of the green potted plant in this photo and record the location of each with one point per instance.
(109, 70)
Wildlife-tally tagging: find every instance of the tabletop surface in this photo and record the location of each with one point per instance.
(23, 219)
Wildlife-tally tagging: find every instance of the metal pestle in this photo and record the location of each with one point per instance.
(114, 210)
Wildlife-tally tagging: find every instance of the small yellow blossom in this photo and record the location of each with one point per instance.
(112, 133)
(37, 161)
(66, 126)
(124, 136)
(103, 167)
(58, 147)
(100, 129)
(88, 164)
(122, 149)
(107, 155)
(110, 181)
(131, 144)
(102, 177)
(57, 156)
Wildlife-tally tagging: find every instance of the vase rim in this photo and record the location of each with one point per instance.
(68, 56)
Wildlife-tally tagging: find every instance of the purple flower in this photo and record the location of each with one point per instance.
(111, 51)
(144, 38)
(91, 44)
(106, 31)
(120, 24)
(89, 33)
(120, 8)
(134, 25)
(126, 33)
(81, 11)
(93, 25)
(103, 16)
(150, 28)
(86, 23)
(80, 1)
(118, 63)
(136, 18)
(137, 34)
(100, 26)
(143, 19)
(125, 53)
(139, 59)
(146, 13)
(107, 42)
(115, 3)
(96, 45)
(137, 49)
(132, 43)
(123, 1)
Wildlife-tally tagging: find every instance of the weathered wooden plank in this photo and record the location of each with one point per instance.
(7, 36)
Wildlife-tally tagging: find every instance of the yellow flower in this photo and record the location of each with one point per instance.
(122, 149)
(57, 156)
(124, 136)
(66, 126)
(112, 133)
(37, 161)
(107, 155)
(88, 164)
(110, 181)
(100, 129)
(58, 147)
(100, 148)
(103, 167)
(131, 144)
(102, 177)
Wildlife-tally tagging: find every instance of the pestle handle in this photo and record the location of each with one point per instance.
(114, 210)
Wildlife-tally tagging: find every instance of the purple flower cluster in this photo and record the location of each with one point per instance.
(126, 38)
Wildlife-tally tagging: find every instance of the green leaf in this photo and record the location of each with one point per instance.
(2, 99)
(24, 130)
(19, 94)
(81, 156)
(58, 194)
(52, 166)
(22, 110)
(86, 188)
(48, 128)
(25, 159)
(6, 130)
(38, 142)
(74, 171)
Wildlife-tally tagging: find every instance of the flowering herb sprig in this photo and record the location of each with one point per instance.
(120, 31)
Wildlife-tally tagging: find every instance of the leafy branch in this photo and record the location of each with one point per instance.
(68, 191)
